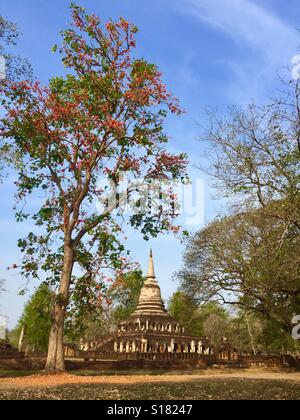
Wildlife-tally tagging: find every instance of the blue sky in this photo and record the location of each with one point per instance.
(211, 52)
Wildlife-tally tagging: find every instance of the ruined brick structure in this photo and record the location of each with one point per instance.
(151, 329)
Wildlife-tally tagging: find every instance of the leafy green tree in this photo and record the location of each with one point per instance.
(119, 303)
(89, 326)
(14, 336)
(36, 319)
(185, 309)
(247, 332)
(256, 270)
(216, 328)
(104, 118)
(125, 295)
(275, 340)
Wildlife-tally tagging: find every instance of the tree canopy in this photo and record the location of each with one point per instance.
(36, 319)
(125, 295)
(12, 67)
(104, 118)
(120, 301)
(255, 270)
(249, 258)
(184, 308)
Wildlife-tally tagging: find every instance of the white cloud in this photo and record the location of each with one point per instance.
(253, 27)
(245, 21)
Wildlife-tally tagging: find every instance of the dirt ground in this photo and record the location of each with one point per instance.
(51, 381)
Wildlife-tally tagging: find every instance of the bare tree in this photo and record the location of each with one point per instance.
(16, 67)
(248, 262)
(250, 258)
(254, 155)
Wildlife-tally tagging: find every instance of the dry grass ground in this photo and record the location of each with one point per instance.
(208, 384)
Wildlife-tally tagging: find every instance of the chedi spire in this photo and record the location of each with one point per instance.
(150, 301)
(151, 271)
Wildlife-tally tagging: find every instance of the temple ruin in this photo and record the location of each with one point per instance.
(151, 329)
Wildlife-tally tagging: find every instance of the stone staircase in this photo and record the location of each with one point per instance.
(106, 343)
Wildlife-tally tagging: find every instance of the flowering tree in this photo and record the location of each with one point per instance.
(104, 117)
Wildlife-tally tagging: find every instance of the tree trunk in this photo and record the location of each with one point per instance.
(251, 335)
(21, 338)
(56, 357)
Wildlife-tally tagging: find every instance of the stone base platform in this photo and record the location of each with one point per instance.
(153, 365)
